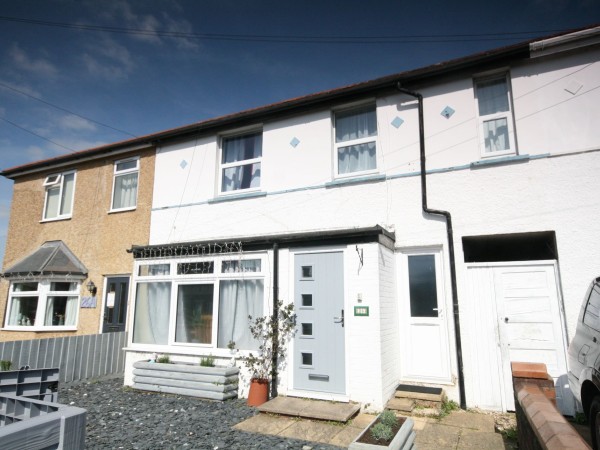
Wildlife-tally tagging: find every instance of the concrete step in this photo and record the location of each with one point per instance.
(310, 409)
(420, 393)
(400, 404)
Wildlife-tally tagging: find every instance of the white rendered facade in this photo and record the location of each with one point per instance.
(547, 181)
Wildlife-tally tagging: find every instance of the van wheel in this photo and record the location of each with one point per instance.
(595, 421)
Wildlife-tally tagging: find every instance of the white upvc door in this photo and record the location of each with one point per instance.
(423, 317)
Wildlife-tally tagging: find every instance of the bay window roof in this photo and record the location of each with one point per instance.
(51, 258)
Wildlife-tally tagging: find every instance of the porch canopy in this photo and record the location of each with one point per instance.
(236, 245)
(52, 258)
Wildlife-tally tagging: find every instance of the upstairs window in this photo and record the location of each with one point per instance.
(125, 185)
(355, 140)
(240, 162)
(59, 195)
(496, 125)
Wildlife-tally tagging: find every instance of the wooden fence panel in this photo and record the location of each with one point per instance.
(78, 357)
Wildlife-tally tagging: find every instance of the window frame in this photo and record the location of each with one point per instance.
(119, 173)
(42, 294)
(215, 278)
(351, 142)
(508, 115)
(223, 166)
(49, 184)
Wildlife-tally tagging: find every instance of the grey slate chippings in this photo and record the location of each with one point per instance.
(123, 418)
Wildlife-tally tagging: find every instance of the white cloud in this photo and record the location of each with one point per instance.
(23, 61)
(75, 123)
(36, 153)
(19, 87)
(109, 59)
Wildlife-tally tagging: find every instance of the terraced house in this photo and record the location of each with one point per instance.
(438, 277)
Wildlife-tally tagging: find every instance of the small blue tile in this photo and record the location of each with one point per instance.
(397, 122)
(447, 112)
(294, 142)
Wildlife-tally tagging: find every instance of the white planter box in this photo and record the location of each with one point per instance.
(215, 383)
(404, 439)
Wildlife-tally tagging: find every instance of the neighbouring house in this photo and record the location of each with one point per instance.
(66, 270)
(319, 201)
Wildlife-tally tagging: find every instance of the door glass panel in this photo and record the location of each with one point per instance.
(307, 359)
(122, 303)
(306, 271)
(422, 284)
(307, 300)
(307, 329)
(109, 312)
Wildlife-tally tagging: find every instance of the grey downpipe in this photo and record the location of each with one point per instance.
(275, 318)
(448, 217)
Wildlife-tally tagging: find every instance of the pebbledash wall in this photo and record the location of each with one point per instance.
(98, 238)
(549, 185)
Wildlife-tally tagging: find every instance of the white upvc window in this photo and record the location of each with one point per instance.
(125, 184)
(241, 158)
(356, 140)
(198, 302)
(58, 202)
(496, 124)
(39, 305)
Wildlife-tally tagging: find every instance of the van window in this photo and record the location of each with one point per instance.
(592, 309)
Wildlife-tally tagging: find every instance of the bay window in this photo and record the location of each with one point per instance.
(496, 127)
(43, 304)
(198, 302)
(58, 203)
(241, 158)
(355, 140)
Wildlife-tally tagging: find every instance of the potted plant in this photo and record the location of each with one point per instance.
(271, 333)
(386, 432)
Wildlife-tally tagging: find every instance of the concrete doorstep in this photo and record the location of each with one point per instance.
(460, 430)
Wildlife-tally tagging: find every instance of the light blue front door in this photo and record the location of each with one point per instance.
(319, 350)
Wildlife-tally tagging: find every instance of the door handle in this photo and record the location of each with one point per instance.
(506, 320)
(339, 319)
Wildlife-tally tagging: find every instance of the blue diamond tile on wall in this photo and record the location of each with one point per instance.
(183, 164)
(294, 142)
(447, 112)
(397, 122)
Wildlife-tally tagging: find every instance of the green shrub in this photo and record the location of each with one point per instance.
(5, 365)
(207, 361)
(388, 418)
(165, 359)
(382, 432)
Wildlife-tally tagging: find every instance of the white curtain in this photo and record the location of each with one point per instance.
(492, 96)
(15, 311)
(243, 265)
(61, 306)
(496, 135)
(241, 177)
(239, 299)
(241, 148)
(355, 124)
(52, 198)
(357, 158)
(151, 320)
(125, 191)
(71, 311)
(66, 202)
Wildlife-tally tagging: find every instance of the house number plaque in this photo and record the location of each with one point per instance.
(361, 311)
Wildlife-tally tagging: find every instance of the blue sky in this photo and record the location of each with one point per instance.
(128, 68)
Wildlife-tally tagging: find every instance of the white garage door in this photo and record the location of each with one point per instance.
(520, 318)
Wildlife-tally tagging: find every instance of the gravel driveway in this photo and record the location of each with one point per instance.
(120, 417)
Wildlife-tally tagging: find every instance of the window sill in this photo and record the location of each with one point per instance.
(39, 329)
(233, 197)
(500, 160)
(56, 219)
(116, 211)
(183, 350)
(355, 180)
